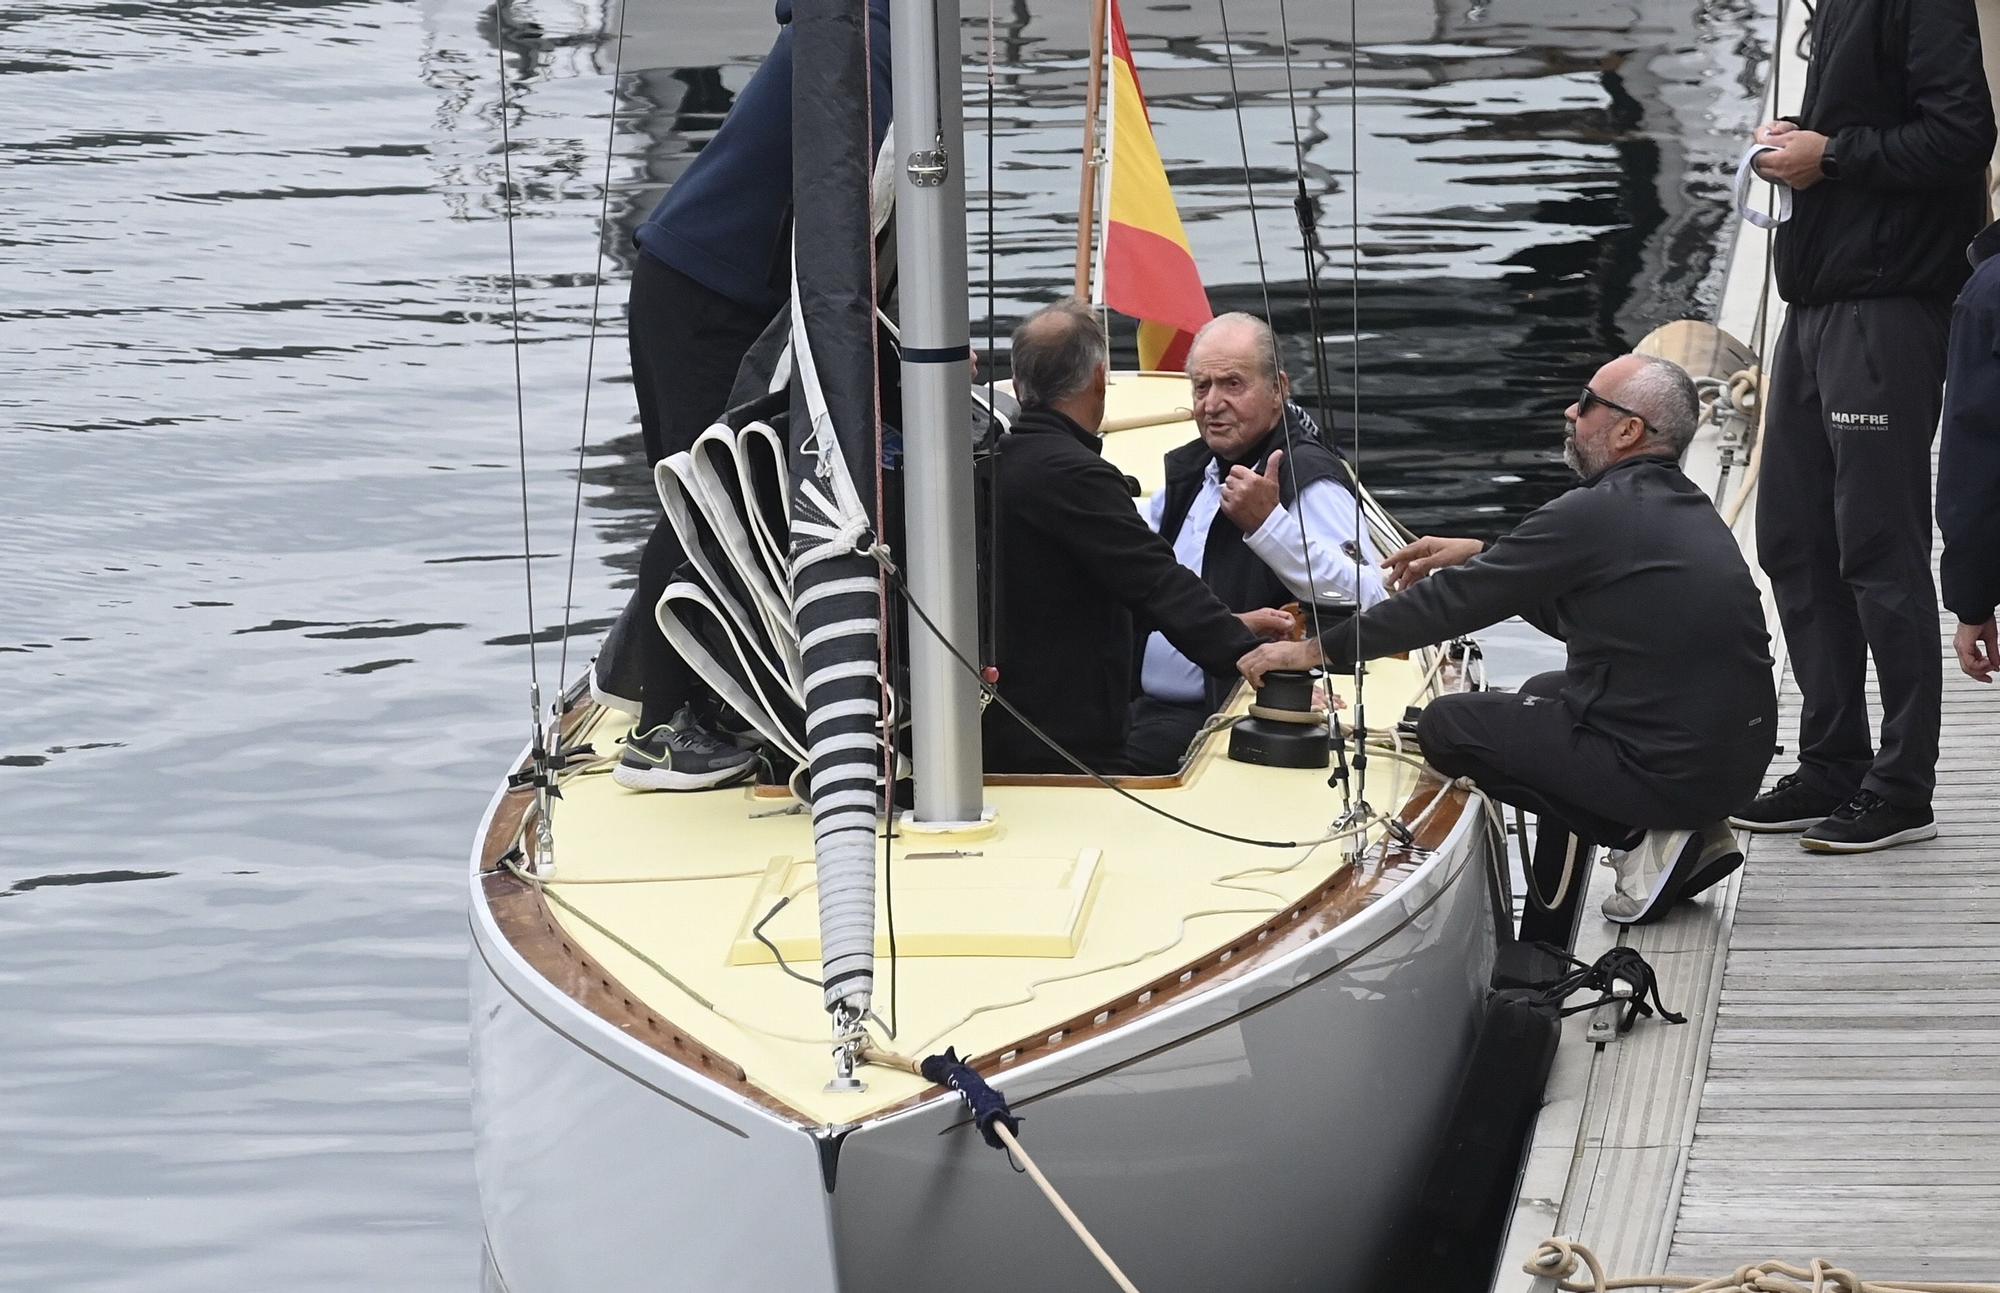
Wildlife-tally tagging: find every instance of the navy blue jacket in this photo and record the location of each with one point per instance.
(1968, 491)
(726, 221)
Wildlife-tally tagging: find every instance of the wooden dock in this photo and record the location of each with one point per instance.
(1851, 1104)
(1836, 1091)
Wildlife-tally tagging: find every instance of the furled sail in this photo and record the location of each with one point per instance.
(834, 455)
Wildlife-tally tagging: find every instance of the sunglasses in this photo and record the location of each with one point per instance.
(1591, 399)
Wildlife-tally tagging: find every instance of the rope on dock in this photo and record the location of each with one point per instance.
(1558, 1261)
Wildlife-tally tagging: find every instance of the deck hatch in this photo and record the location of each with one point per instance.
(978, 905)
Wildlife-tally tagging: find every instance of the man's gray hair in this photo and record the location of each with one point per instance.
(1057, 350)
(1267, 341)
(1663, 394)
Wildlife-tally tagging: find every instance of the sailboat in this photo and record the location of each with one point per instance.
(1230, 1008)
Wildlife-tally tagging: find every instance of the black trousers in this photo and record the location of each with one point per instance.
(687, 342)
(1525, 749)
(1844, 532)
(1160, 734)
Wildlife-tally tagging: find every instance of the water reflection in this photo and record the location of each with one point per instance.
(260, 417)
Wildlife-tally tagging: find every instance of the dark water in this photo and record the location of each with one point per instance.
(262, 648)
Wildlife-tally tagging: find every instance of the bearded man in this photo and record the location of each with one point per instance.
(1663, 720)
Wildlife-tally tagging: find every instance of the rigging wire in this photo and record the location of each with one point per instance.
(520, 396)
(1277, 364)
(590, 350)
(951, 648)
(1243, 150)
(1354, 339)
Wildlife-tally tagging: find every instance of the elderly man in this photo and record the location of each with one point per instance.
(1077, 563)
(1662, 722)
(1259, 507)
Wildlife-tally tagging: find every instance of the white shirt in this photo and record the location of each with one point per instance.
(1318, 566)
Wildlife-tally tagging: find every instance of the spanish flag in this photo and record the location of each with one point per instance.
(1148, 271)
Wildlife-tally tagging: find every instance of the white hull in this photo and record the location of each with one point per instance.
(1263, 1134)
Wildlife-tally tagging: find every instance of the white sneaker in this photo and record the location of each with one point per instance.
(1650, 875)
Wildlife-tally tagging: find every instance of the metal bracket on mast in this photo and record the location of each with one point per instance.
(930, 168)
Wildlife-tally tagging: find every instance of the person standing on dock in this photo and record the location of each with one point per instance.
(1886, 161)
(1968, 496)
(1665, 713)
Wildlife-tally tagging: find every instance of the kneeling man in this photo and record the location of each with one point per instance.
(1666, 715)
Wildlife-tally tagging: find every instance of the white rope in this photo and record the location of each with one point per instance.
(1558, 1261)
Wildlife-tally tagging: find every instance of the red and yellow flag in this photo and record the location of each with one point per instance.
(1148, 271)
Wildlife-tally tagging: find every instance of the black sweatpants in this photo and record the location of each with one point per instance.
(1524, 748)
(687, 342)
(1844, 532)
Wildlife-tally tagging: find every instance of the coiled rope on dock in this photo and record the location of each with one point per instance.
(1559, 1261)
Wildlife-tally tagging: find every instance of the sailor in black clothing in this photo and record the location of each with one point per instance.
(1968, 492)
(1259, 507)
(711, 272)
(1077, 564)
(1886, 161)
(1665, 716)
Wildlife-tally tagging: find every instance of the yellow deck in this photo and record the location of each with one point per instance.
(679, 878)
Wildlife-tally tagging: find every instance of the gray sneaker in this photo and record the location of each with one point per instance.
(681, 755)
(1666, 867)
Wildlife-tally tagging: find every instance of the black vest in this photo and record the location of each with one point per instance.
(1237, 575)
(1232, 571)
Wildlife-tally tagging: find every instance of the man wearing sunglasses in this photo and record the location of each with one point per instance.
(1664, 717)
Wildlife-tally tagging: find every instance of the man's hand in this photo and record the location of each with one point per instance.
(1407, 564)
(1796, 163)
(1978, 647)
(1248, 499)
(1267, 623)
(1768, 132)
(1278, 655)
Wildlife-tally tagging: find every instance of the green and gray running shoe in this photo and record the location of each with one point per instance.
(681, 755)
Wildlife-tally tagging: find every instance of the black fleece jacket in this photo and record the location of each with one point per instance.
(1080, 574)
(1968, 489)
(1898, 87)
(1634, 570)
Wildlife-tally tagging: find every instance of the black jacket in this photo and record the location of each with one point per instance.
(1668, 655)
(1077, 563)
(1968, 489)
(1898, 87)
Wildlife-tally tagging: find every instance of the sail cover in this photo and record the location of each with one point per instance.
(834, 455)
